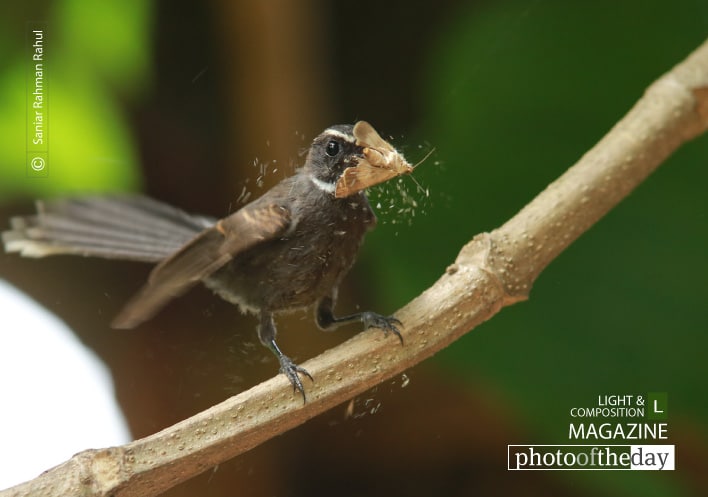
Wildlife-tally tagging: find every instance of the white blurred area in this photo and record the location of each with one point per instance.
(56, 396)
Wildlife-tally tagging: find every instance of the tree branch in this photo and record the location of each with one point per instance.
(493, 270)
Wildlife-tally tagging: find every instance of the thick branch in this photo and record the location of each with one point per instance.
(493, 270)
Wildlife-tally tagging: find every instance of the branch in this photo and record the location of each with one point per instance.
(493, 270)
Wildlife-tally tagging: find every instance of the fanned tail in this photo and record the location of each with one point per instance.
(114, 227)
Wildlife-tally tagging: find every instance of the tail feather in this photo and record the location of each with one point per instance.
(118, 227)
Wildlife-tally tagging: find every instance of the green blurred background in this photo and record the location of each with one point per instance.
(187, 101)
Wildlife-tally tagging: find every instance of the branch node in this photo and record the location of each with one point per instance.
(482, 253)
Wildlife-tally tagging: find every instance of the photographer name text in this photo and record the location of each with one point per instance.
(38, 93)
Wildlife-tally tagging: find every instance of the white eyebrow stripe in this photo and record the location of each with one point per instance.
(339, 134)
(323, 185)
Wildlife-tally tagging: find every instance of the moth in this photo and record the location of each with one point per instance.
(380, 162)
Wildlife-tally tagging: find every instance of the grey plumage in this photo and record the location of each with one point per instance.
(127, 227)
(288, 249)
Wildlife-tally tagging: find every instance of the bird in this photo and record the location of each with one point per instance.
(288, 249)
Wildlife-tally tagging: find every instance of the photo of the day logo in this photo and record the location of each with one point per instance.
(591, 457)
(627, 427)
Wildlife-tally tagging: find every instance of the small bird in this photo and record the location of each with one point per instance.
(286, 250)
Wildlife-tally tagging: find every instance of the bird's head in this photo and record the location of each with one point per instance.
(346, 159)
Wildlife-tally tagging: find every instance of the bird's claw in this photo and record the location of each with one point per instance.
(385, 323)
(292, 371)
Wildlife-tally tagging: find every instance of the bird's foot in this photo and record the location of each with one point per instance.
(292, 371)
(385, 323)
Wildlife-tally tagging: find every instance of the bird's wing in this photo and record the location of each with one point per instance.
(202, 256)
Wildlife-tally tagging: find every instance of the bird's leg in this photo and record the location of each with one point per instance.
(266, 334)
(328, 322)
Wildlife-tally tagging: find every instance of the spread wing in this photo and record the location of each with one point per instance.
(202, 256)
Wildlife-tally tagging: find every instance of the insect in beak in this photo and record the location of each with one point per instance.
(380, 162)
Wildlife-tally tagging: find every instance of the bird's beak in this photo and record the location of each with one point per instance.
(379, 162)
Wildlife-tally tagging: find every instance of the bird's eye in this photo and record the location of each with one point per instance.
(332, 148)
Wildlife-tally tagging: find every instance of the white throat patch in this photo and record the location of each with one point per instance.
(323, 185)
